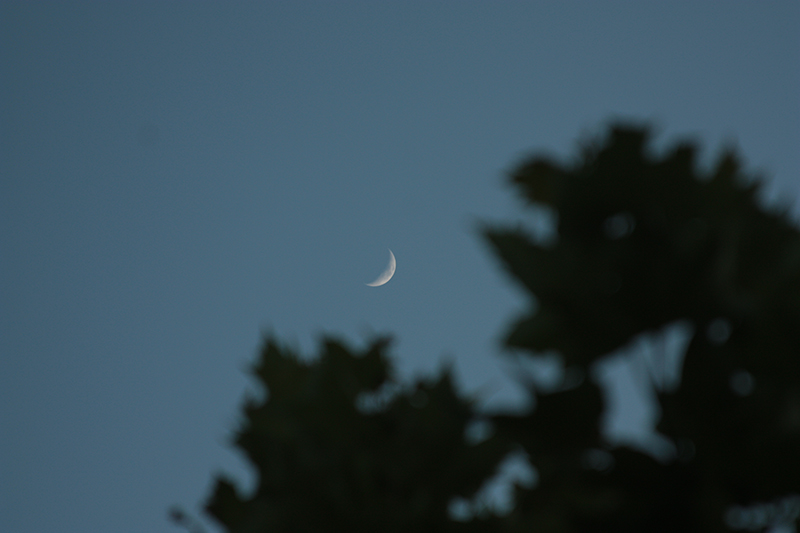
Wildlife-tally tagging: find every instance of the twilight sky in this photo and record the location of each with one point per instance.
(177, 178)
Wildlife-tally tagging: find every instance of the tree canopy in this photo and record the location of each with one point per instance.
(643, 240)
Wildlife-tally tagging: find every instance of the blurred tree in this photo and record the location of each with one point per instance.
(339, 446)
(642, 241)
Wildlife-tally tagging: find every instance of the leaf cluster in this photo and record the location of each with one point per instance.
(644, 241)
(339, 445)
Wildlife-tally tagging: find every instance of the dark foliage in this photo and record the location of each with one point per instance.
(642, 241)
(336, 449)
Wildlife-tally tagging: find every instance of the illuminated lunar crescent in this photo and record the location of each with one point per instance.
(387, 274)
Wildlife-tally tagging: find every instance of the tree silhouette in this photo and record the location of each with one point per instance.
(643, 241)
(336, 449)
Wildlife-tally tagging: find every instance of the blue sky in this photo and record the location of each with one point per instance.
(177, 178)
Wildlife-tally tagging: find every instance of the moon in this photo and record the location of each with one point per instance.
(387, 274)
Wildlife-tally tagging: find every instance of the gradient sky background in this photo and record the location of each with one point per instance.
(176, 178)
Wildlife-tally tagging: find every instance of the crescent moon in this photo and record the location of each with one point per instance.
(387, 274)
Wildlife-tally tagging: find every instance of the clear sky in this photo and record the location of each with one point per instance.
(176, 178)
